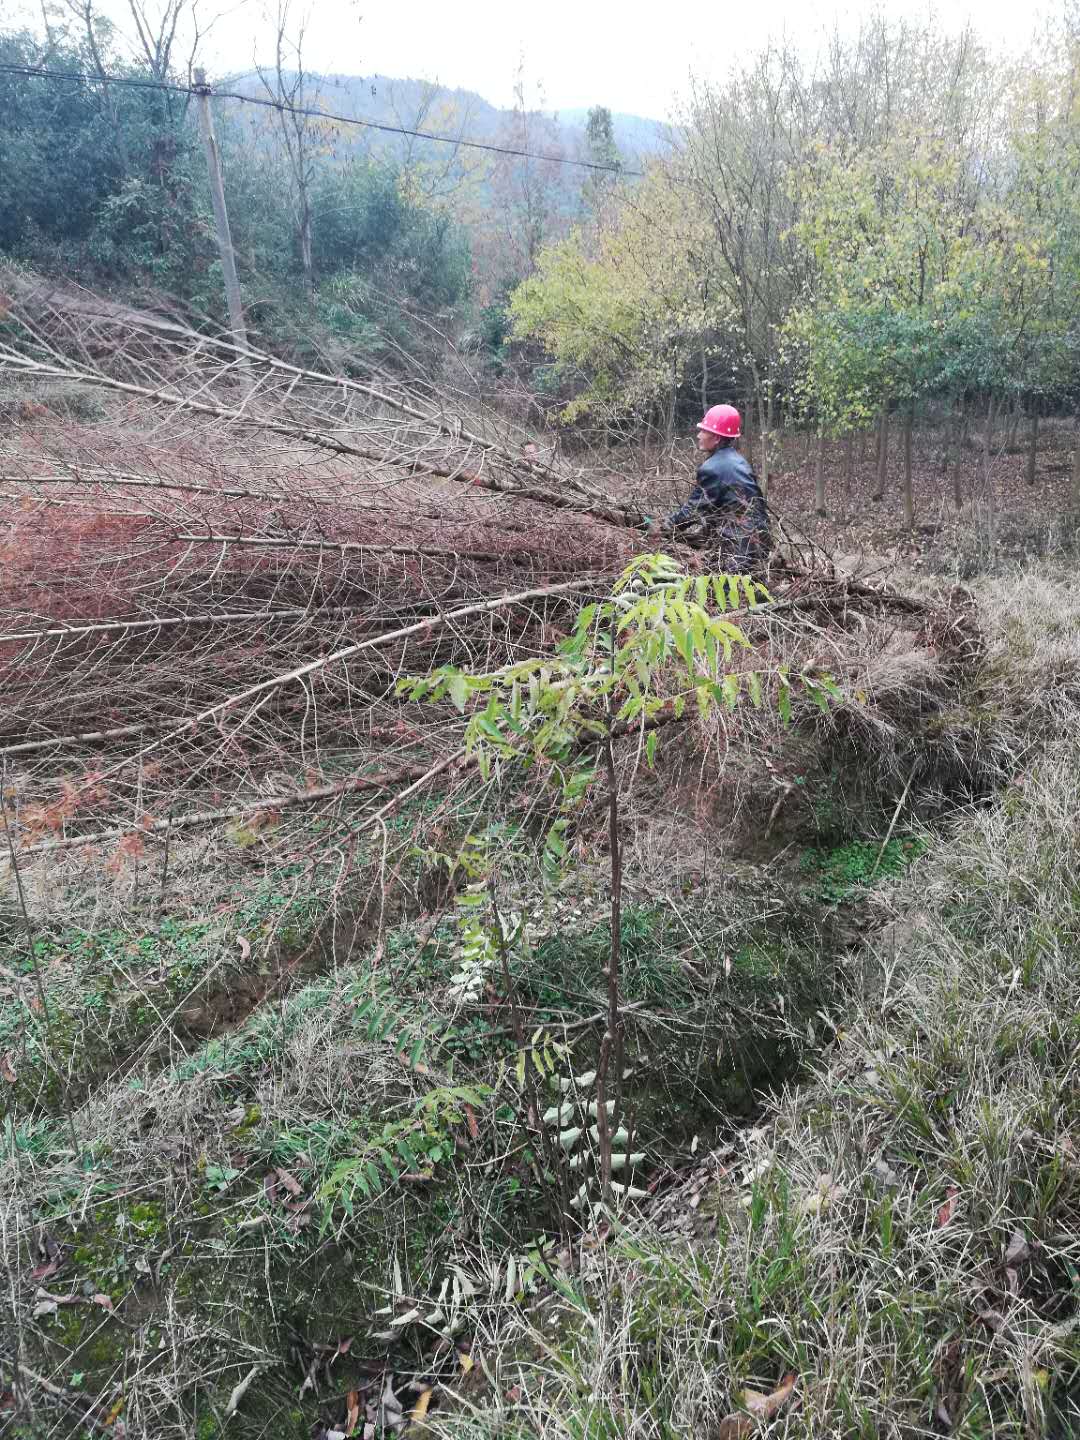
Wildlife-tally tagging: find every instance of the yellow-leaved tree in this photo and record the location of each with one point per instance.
(622, 306)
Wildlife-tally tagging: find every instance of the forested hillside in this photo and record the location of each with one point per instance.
(890, 228)
(484, 952)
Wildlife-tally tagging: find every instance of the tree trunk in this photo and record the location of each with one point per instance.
(763, 436)
(611, 1046)
(704, 380)
(819, 475)
(221, 220)
(987, 485)
(748, 438)
(883, 453)
(988, 436)
(849, 468)
(1033, 445)
(957, 474)
(909, 493)
(306, 260)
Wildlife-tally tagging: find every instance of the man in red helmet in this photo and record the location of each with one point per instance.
(726, 500)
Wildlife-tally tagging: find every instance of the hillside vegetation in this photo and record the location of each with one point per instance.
(883, 237)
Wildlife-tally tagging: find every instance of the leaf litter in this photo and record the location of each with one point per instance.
(760, 1409)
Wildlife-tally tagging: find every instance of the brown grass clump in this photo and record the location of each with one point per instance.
(901, 1233)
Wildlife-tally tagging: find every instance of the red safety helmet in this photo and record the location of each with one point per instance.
(722, 420)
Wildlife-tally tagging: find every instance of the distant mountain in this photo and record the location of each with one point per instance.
(439, 109)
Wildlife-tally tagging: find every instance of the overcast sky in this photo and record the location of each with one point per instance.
(575, 52)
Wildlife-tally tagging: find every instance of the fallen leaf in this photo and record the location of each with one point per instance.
(420, 1409)
(766, 1406)
(7, 1069)
(245, 947)
(47, 1303)
(821, 1197)
(466, 1361)
(352, 1418)
(114, 1414)
(945, 1214)
(343, 1346)
(105, 1301)
(290, 1182)
(418, 1069)
(42, 1272)
(1019, 1251)
(886, 1174)
(470, 1117)
(760, 1407)
(240, 1391)
(735, 1427)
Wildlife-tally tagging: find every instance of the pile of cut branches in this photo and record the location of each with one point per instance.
(207, 598)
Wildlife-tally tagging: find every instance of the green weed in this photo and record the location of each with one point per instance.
(836, 874)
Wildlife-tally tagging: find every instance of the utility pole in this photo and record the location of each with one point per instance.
(221, 215)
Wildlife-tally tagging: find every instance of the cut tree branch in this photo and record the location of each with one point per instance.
(276, 542)
(264, 688)
(237, 617)
(354, 785)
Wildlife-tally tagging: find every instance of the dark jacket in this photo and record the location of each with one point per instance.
(727, 496)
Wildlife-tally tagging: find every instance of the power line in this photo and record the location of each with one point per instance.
(40, 73)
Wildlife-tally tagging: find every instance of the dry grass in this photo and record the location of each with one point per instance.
(205, 983)
(299, 1084)
(904, 1232)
